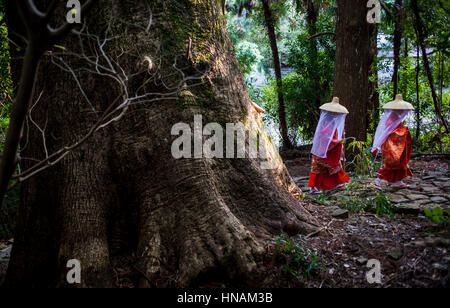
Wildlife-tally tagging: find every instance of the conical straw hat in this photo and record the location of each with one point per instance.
(398, 104)
(334, 106)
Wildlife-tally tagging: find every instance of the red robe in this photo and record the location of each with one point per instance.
(396, 153)
(327, 173)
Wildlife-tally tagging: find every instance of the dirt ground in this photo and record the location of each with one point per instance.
(412, 252)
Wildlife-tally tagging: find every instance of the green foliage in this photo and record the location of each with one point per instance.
(436, 23)
(5, 81)
(430, 138)
(302, 119)
(381, 205)
(311, 83)
(358, 198)
(312, 63)
(299, 262)
(248, 37)
(438, 216)
(248, 55)
(10, 206)
(363, 163)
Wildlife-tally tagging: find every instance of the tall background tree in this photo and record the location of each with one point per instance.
(355, 39)
(418, 23)
(270, 26)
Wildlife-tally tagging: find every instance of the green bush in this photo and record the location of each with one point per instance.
(438, 216)
(298, 262)
(5, 82)
(363, 164)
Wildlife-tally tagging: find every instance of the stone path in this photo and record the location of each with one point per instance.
(428, 191)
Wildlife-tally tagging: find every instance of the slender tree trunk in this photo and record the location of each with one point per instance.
(406, 49)
(403, 83)
(353, 60)
(122, 195)
(441, 77)
(270, 25)
(17, 118)
(426, 64)
(441, 88)
(397, 43)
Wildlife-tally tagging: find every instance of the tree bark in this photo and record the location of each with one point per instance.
(426, 64)
(270, 26)
(180, 223)
(353, 60)
(374, 96)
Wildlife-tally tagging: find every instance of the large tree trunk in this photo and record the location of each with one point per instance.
(269, 19)
(353, 60)
(182, 222)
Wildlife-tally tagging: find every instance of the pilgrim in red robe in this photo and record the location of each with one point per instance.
(327, 173)
(396, 152)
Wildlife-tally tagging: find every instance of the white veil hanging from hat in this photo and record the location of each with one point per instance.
(329, 122)
(390, 120)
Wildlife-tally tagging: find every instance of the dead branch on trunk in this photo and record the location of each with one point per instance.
(321, 34)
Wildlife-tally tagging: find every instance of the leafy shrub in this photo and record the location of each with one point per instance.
(363, 164)
(438, 216)
(298, 262)
(356, 200)
(381, 205)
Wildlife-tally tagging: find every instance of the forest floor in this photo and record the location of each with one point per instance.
(412, 251)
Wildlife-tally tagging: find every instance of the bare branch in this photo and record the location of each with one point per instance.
(32, 9)
(321, 34)
(385, 8)
(50, 10)
(150, 20)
